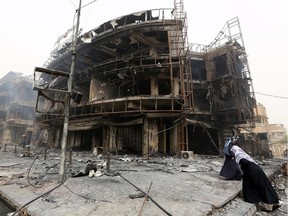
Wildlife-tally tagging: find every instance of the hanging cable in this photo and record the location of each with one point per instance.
(88, 4)
(271, 95)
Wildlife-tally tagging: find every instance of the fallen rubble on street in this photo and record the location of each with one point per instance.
(128, 185)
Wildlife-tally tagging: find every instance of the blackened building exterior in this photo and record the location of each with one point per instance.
(146, 90)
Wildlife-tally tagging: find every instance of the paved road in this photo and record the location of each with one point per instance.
(177, 187)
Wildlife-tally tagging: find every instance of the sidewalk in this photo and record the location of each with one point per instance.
(179, 187)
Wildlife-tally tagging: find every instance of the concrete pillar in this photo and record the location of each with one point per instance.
(153, 133)
(145, 145)
(112, 138)
(210, 67)
(176, 88)
(105, 139)
(174, 140)
(93, 89)
(162, 137)
(150, 136)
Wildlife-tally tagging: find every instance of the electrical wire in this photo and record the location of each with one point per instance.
(88, 4)
(85, 197)
(88, 198)
(282, 97)
(38, 198)
(28, 175)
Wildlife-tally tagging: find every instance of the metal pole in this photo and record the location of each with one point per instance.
(68, 99)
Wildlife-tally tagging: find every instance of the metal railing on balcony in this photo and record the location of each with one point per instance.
(136, 104)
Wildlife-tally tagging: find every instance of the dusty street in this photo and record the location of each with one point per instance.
(176, 186)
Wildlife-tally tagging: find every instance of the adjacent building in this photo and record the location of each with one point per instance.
(272, 134)
(17, 108)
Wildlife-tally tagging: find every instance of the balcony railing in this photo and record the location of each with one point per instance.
(136, 104)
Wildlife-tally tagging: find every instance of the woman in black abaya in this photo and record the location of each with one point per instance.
(230, 169)
(255, 185)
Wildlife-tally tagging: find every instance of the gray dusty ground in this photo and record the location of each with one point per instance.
(176, 187)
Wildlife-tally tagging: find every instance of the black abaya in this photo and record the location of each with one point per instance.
(256, 185)
(230, 169)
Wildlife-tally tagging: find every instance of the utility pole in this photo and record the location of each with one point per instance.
(68, 99)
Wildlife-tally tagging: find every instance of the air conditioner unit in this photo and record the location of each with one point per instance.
(187, 155)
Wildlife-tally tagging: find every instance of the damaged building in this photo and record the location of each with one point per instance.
(140, 87)
(17, 109)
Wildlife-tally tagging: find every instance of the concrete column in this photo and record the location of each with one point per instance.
(145, 145)
(93, 89)
(174, 140)
(112, 138)
(150, 139)
(153, 135)
(105, 139)
(176, 88)
(210, 66)
(162, 137)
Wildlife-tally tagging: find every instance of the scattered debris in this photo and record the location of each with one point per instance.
(284, 169)
(139, 195)
(126, 159)
(89, 167)
(98, 173)
(50, 200)
(24, 212)
(91, 173)
(196, 168)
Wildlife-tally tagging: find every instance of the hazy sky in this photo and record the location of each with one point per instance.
(30, 29)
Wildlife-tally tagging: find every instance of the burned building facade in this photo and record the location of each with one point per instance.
(17, 109)
(144, 89)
